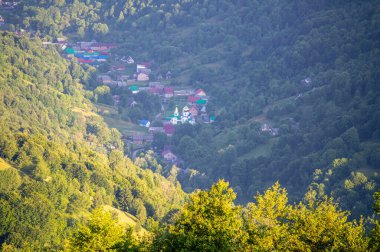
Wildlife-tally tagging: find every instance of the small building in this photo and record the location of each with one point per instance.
(169, 156)
(200, 93)
(105, 79)
(156, 130)
(62, 41)
(144, 123)
(156, 84)
(141, 139)
(155, 91)
(265, 128)
(142, 77)
(140, 68)
(130, 60)
(169, 129)
(2, 20)
(168, 75)
(116, 99)
(201, 102)
(212, 119)
(118, 68)
(183, 92)
(168, 92)
(69, 51)
(192, 99)
(146, 71)
(194, 111)
(134, 89)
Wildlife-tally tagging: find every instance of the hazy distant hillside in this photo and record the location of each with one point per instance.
(58, 159)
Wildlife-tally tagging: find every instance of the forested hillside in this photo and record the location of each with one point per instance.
(308, 70)
(58, 159)
(294, 87)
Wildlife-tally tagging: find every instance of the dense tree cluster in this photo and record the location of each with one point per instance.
(211, 221)
(62, 159)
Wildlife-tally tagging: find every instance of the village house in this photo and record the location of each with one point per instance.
(104, 79)
(192, 100)
(201, 102)
(203, 110)
(130, 60)
(156, 130)
(182, 118)
(2, 21)
(169, 156)
(155, 91)
(144, 123)
(168, 75)
(116, 99)
(142, 77)
(118, 68)
(200, 93)
(142, 139)
(134, 89)
(212, 119)
(194, 111)
(156, 84)
(168, 92)
(169, 129)
(62, 41)
(183, 92)
(268, 129)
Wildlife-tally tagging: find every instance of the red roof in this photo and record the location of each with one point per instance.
(169, 129)
(146, 64)
(118, 68)
(192, 99)
(194, 108)
(199, 91)
(84, 60)
(154, 90)
(168, 90)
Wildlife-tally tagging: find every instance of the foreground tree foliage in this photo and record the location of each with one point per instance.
(375, 233)
(273, 224)
(211, 222)
(100, 233)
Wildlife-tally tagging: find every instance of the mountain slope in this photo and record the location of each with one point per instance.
(307, 69)
(69, 161)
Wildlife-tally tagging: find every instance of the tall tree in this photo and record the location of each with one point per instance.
(209, 222)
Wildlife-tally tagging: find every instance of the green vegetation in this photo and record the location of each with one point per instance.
(307, 69)
(211, 222)
(65, 159)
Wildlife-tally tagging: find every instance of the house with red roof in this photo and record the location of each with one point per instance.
(200, 93)
(168, 92)
(118, 68)
(169, 129)
(169, 156)
(142, 77)
(155, 90)
(192, 99)
(194, 111)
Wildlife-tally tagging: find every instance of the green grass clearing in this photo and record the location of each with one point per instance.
(264, 150)
(125, 219)
(4, 165)
(126, 128)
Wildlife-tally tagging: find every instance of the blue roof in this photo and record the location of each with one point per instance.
(143, 122)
